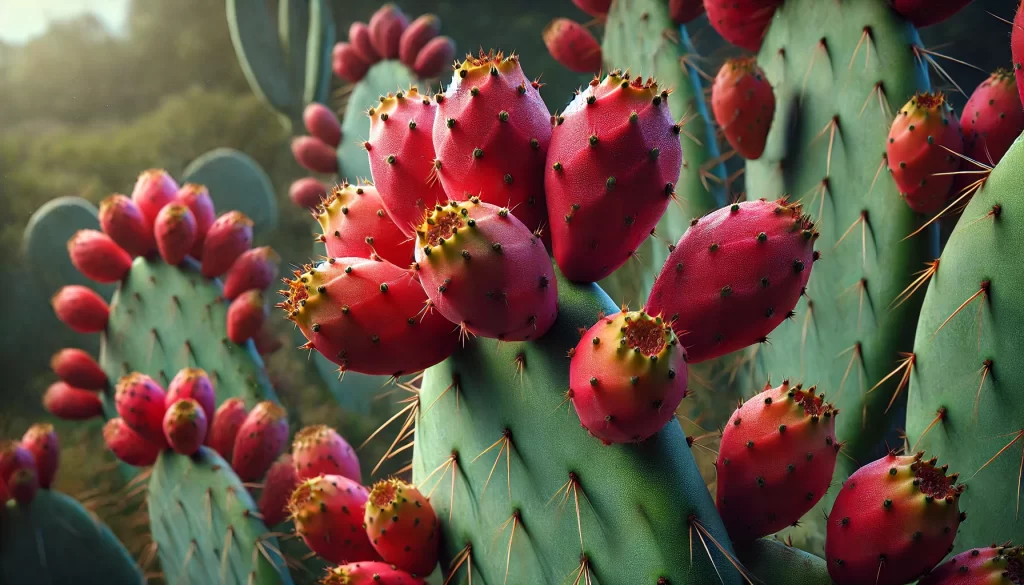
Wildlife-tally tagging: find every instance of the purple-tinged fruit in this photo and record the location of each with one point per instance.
(683, 11)
(595, 8)
(416, 36)
(278, 486)
(175, 231)
(320, 450)
(322, 124)
(185, 426)
(195, 384)
(362, 44)
(922, 13)
(229, 236)
(41, 440)
(123, 221)
(224, 426)
(260, 439)
(314, 154)
(307, 192)
(386, 28)
(347, 64)
(197, 199)
(255, 269)
(246, 315)
(434, 56)
(98, 257)
(369, 573)
(14, 456)
(141, 402)
(993, 565)
(743, 23)
(129, 446)
(23, 485)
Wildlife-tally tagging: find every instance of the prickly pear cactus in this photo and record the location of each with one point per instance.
(772, 561)
(236, 181)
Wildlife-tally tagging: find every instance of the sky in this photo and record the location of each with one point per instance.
(21, 20)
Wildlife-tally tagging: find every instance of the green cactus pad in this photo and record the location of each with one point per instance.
(235, 181)
(261, 58)
(635, 501)
(56, 540)
(775, 563)
(206, 525)
(45, 243)
(318, 45)
(983, 400)
(849, 339)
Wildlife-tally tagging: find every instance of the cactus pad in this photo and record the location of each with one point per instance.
(236, 181)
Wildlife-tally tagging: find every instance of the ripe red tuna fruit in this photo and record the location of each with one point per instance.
(307, 192)
(347, 64)
(260, 439)
(923, 13)
(69, 403)
(328, 512)
(683, 11)
(153, 189)
(224, 426)
(322, 124)
(1017, 49)
(197, 199)
(246, 315)
(359, 37)
(141, 402)
(185, 426)
(402, 526)
(991, 120)
(434, 57)
(278, 486)
(314, 154)
(195, 384)
(229, 236)
(129, 446)
(483, 269)
(627, 376)
(254, 269)
(175, 232)
(572, 45)
(41, 440)
(491, 136)
(743, 103)
(372, 573)
(81, 309)
(741, 22)
(23, 485)
(78, 368)
(368, 316)
(123, 221)
(416, 36)
(892, 521)
(401, 152)
(386, 28)
(320, 450)
(776, 460)
(355, 223)
(916, 153)
(735, 275)
(98, 257)
(595, 8)
(14, 456)
(994, 565)
(613, 163)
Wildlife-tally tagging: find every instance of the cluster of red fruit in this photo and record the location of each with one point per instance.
(28, 464)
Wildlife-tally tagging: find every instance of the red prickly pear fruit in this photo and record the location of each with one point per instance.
(266, 341)
(69, 403)
(359, 37)
(434, 56)
(278, 486)
(893, 520)
(81, 308)
(141, 402)
(992, 119)
(614, 160)
(229, 236)
(735, 275)
(347, 64)
(98, 257)
(175, 231)
(320, 450)
(224, 426)
(627, 376)
(78, 368)
(372, 573)
(595, 8)
(255, 269)
(185, 426)
(1017, 49)
(307, 192)
(743, 104)
(402, 526)
(197, 199)
(129, 446)
(23, 485)
(684, 11)
(195, 384)
(922, 13)
(314, 154)
(246, 315)
(915, 150)
(153, 189)
(572, 45)
(386, 28)
(401, 152)
(491, 136)
(483, 269)
(41, 440)
(260, 440)
(980, 566)
(328, 512)
(356, 224)
(123, 221)
(321, 123)
(416, 36)
(368, 316)
(15, 456)
(741, 22)
(776, 460)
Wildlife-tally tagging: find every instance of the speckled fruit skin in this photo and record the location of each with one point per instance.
(743, 102)
(991, 120)
(195, 384)
(185, 426)
(14, 456)
(328, 512)
(372, 573)
(356, 224)
(259, 441)
(741, 22)
(127, 445)
(402, 526)
(141, 402)
(917, 151)
(175, 232)
(320, 450)
(41, 440)
(224, 426)
(993, 565)
(278, 486)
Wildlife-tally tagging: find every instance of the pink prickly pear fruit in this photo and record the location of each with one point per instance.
(185, 426)
(197, 199)
(307, 192)
(320, 450)
(5, 494)
(81, 308)
(321, 123)
(368, 316)
(684, 11)
(246, 315)
(572, 45)
(123, 221)
(612, 167)
(627, 376)
(224, 426)
(993, 565)
(355, 223)
(129, 446)
(402, 526)
(916, 153)
(78, 368)
(259, 441)
(386, 28)
(735, 275)
(195, 384)
(229, 236)
(15, 456)
(41, 440)
(328, 511)
(141, 402)
(23, 485)
(314, 154)
(359, 38)
(743, 104)
(483, 269)
(741, 22)
(434, 56)
(153, 189)
(893, 520)
(371, 573)
(595, 8)
(255, 269)
(416, 36)
(69, 403)
(401, 152)
(776, 460)
(992, 119)
(175, 231)
(347, 64)
(1017, 49)
(922, 13)
(491, 136)
(98, 257)
(278, 486)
